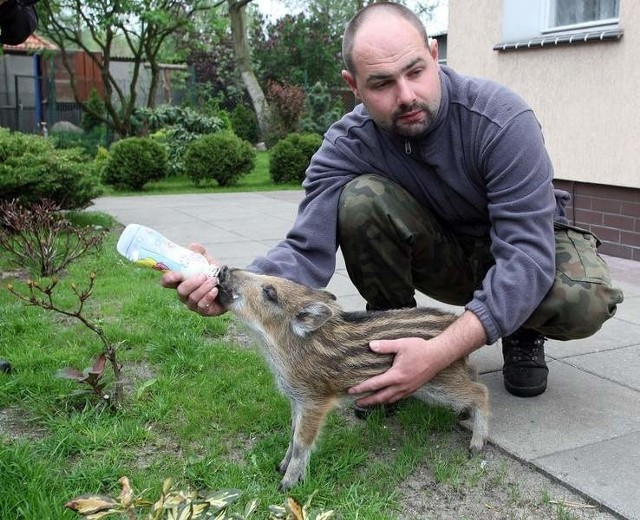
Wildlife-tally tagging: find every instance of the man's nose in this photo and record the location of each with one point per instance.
(405, 93)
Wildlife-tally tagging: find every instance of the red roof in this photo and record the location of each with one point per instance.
(33, 43)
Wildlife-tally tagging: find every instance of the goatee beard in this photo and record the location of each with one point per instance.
(415, 130)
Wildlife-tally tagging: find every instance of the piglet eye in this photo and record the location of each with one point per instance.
(270, 293)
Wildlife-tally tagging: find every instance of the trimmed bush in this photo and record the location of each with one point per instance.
(96, 105)
(290, 157)
(133, 162)
(222, 157)
(175, 127)
(32, 170)
(245, 123)
(88, 141)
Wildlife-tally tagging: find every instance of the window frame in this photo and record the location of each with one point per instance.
(548, 13)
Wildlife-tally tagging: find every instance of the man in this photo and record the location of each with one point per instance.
(441, 183)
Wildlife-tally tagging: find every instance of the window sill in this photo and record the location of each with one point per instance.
(558, 39)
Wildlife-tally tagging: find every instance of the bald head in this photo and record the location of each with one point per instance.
(376, 11)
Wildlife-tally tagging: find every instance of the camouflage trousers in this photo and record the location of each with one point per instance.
(393, 246)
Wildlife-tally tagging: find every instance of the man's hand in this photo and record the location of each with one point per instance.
(199, 292)
(411, 369)
(418, 360)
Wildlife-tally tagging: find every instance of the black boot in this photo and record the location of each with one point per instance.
(525, 371)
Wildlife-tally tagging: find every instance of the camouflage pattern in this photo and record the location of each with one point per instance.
(582, 297)
(393, 246)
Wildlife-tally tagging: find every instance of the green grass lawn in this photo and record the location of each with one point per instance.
(256, 180)
(199, 408)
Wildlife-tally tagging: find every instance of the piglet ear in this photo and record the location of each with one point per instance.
(310, 318)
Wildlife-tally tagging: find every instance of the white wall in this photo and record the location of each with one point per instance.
(587, 96)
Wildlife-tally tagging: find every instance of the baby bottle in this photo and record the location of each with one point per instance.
(145, 246)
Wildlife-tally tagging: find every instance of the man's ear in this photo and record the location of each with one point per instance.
(351, 82)
(433, 49)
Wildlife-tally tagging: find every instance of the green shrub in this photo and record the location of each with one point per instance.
(190, 120)
(32, 170)
(320, 110)
(245, 123)
(175, 127)
(133, 162)
(221, 157)
(88, 141)
(175, 139)
(96, 105)
(290, 157)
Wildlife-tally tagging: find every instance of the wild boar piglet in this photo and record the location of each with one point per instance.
(317, 351)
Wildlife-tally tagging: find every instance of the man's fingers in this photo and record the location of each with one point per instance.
(386, 346)
(171, 279)
(374, 383)
(199, 248)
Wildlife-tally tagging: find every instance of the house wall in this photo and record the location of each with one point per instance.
(169, 89)
(12, 65)
(585, 97)
(17, 70)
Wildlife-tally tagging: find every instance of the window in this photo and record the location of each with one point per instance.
(574, 14)
(549, 23)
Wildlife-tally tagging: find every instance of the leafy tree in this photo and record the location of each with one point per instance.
(144, 26)
(300, 49)
(237, 16)
(306, 48)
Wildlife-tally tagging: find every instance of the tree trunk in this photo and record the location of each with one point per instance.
(241, 51)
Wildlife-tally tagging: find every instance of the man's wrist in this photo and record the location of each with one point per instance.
(461, 338)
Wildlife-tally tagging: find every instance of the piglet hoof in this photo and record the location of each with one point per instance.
(286, 485)
(475, 447)
(282, 467)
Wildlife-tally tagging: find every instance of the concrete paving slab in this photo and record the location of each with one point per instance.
(488, 359)
(577, 409)
(341, 285)
(629, 311)
(607, 471)
(256, 228)
(614, 334)
(620, 366)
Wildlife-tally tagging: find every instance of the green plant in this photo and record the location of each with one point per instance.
(286, 102)
(190, 120)
(320, 111)
(221, 157)
(43, 297)
(88, 141)
(290, 157)
(133, 162)
(94, 113)
(32, 169)
(40, 239)
(245, 123)
(175, 127)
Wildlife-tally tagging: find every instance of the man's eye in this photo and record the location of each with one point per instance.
(270, 293)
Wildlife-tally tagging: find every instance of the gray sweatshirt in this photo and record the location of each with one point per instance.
(482, 169)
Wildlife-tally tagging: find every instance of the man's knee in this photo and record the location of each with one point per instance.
(361, 198)
(575, 310)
